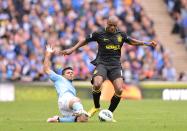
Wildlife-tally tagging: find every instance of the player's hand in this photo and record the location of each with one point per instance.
(153, 44)
(49, 49)
(67, 51)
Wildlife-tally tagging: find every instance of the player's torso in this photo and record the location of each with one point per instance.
(64, 86)
(110, 42)
(109, 46)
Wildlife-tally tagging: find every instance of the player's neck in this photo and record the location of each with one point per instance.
(106, 30)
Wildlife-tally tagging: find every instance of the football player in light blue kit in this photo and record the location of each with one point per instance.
(69, 105)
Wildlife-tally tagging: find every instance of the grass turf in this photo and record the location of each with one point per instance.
(144, 115)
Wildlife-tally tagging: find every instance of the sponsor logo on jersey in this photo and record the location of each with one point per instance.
(113, 47)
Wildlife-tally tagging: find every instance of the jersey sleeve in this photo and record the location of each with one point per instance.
(53, 76)
(92, 37)
(126, 38)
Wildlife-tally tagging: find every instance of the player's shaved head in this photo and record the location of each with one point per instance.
(113, 19)
(112, 24)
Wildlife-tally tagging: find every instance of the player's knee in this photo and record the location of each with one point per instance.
(97, 82)
(118, 86)
(118, 91)
(97, 85)
(74, 100)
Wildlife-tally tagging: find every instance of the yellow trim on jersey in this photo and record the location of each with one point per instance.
(105, 39)
(95, 72)
(119, 38)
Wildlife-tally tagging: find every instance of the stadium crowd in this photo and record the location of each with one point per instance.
(27, 25)
(178, 11)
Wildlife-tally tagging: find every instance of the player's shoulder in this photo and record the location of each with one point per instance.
(121, 32)
(100, 31)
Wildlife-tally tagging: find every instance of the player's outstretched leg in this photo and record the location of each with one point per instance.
(77, 107)
(56, 119)
(96, 92)
(118, 84)
(114, 102)
(96, 98)
(53, 119)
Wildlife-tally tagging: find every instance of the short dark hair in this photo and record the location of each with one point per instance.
(67, 68)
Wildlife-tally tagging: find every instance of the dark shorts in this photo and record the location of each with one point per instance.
(108, 72)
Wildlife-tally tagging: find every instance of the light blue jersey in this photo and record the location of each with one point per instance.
(61, 84)
(66, 92)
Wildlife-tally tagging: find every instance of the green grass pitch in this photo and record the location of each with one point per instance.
(30, 114)
(145, 115)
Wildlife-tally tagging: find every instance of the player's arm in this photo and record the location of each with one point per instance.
(75, 47)
(135, 42)
(47, 62)
(89, 38)
(132, 41)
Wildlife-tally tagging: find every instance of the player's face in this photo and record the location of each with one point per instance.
(111, 26)
(69, 74)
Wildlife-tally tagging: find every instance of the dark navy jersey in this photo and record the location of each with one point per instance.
(109, 46)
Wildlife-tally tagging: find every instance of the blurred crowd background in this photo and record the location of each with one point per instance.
(27, 25)
(178, 11)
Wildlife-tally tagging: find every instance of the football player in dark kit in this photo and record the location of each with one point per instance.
(110, 41)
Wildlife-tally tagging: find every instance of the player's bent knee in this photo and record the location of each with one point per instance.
(97, 82)
(97, 85)
(118, 92)
(74, 100)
